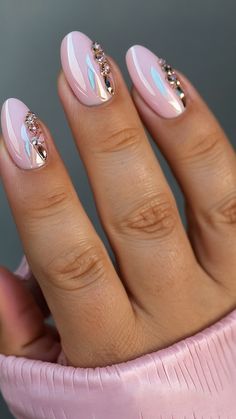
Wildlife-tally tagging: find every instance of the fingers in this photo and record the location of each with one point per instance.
(135, 203)
(22, 328)
(202, 159)
(24, 273)
(64, 252)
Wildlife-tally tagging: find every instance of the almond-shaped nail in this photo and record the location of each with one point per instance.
(156, 82)
(23, 136)
(87, 69)
(23, 270)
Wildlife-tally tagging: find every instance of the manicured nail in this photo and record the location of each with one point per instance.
(87, 69)
(156, 82)
(22, 135)
(23, 270)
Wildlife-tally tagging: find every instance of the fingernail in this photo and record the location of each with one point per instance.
(23, 271)
(22, 135)
(156, 82)
(87, 69)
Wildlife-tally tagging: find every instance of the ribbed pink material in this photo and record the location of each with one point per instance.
(193, 379)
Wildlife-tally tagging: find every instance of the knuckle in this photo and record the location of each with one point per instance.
(205, 146)
(50, 203)
(77, 269)
(225, 212)
(157, 218)
(120, 139)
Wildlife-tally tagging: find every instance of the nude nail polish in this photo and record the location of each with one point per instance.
(156, 82)
(23, 136)
(87, 69)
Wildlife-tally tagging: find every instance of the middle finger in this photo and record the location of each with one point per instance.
(134, 200)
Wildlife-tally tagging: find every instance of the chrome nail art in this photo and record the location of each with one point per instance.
(173, 80)
(36, 135)
(105, 68)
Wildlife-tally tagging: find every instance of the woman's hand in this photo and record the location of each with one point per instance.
(168, 284)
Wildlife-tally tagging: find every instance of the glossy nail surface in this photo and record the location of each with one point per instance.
(86, 69)
(22, 135)
(156, 82)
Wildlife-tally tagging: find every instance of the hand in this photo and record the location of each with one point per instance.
(169, 284)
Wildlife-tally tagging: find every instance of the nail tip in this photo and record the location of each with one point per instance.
(13, 101)
(131, 48)
(6, 103)
(64, 45)
(128, 52)
(75, 33)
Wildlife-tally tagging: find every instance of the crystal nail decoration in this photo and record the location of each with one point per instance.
(37, 140)
(105, 68)
(173, 80)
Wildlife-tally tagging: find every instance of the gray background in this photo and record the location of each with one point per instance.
(198, 37)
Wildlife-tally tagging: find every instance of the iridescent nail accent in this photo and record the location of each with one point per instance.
(173, 80)
(36, 136)
(22, 135)
(156, 84)
(105, 68)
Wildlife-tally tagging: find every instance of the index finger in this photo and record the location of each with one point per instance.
(63, 250)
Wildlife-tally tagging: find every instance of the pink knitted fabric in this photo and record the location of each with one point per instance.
(193, 379)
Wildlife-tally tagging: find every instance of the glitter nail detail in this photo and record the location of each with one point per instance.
(105, 68)
(173, 80)
(37, 140)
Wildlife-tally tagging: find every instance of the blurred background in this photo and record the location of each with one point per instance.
(197, 37)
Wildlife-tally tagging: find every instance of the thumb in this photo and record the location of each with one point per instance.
(23, 331)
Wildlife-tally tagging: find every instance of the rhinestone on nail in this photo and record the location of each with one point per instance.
(109, 85)
(36, 137)
(104, 66)
(162, 61)
(105, 69)
(100, 57)
(96, 47)
(173, 80)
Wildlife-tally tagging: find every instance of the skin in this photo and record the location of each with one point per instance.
(169, 284)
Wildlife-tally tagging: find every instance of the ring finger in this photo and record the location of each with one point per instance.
(202, 159)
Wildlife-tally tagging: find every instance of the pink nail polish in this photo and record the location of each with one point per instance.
(156, 82)
(23, 270)
(22, 135)
(87, 69)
